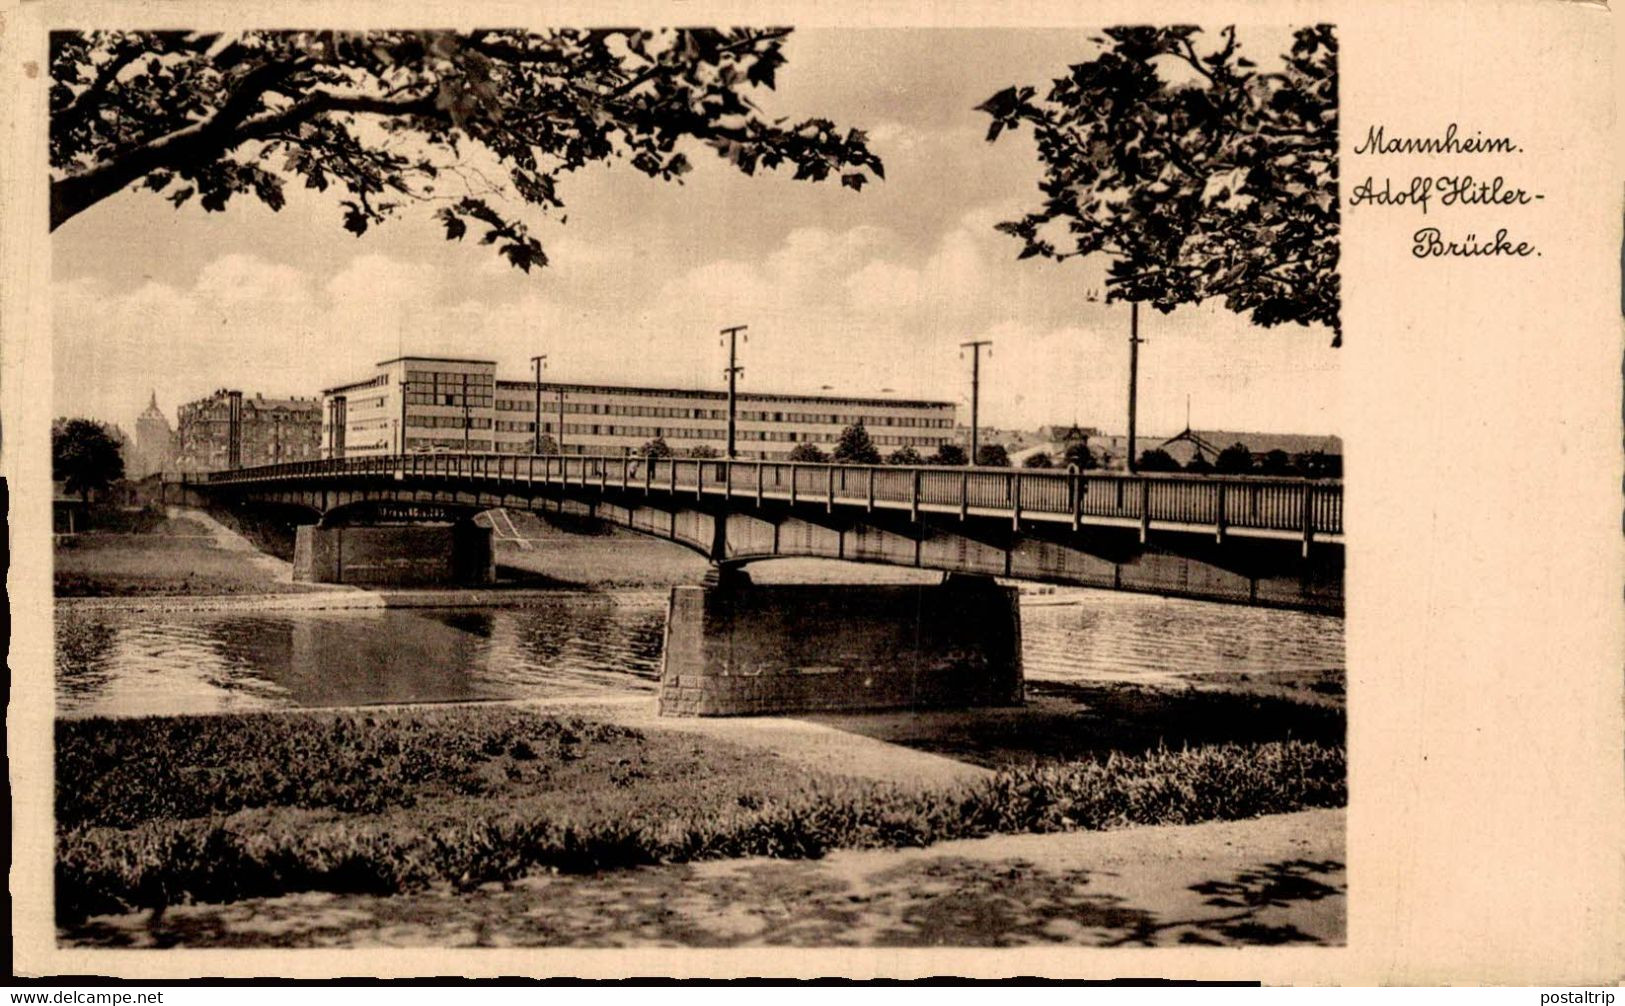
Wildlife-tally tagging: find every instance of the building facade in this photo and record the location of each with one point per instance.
(229, 429)
(443, 404)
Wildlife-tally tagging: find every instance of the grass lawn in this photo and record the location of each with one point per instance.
(164, 562)
(165, 810)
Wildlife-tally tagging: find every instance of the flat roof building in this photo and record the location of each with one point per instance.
(457, 405)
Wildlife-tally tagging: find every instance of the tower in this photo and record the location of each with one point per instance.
(154, 441)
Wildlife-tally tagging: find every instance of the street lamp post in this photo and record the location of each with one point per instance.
(536, 441)
(1134, 341)
(975, 347)
(733, 372)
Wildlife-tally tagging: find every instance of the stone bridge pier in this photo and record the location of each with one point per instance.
(394, 555)
(734, 648)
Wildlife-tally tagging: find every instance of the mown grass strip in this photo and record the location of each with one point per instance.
(264, 805)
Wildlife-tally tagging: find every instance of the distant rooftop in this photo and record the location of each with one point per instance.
(1263, 443)
(435, 359)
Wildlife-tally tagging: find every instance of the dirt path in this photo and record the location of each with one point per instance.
(817, 745)
(1274, 880)
(228, 540)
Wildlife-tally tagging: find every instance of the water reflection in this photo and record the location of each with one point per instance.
(132, 663)
(1152, 640)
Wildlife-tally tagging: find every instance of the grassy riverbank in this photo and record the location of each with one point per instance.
(147, 554)
(161, 811)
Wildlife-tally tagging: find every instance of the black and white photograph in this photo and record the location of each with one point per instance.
(748, 487)
(705, 487)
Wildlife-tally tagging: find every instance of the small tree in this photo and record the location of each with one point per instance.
(856, 448)
(655, 449)
(808, 452)
(1080, 455)
(549, 445)
(1157, 460)
(1038, 459)
(1277, 462)
(1199, 464)
(1237, 459)
(947, 454)
(704, 452)
(993, 456)
(1319, 465)
(905, 455)
(85, 456)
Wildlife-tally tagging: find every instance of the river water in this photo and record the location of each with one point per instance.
(585, 645)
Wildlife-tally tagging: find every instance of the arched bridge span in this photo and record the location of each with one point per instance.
(1260, 540)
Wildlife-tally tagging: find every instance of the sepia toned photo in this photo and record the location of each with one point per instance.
(703, 487)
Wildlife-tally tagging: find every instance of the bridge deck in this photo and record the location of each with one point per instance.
(1241, 505)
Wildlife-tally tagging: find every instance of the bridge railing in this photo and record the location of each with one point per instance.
(1265, 503)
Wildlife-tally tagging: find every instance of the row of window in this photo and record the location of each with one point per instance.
(475, 401)
(705, 433)
(450, 378)
(745, 415)
(250, 414)
(450, 422)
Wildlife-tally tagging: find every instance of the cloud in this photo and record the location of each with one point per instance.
(891, 138)
(239, 279)
(856, 310)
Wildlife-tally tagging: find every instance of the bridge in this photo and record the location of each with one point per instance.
(1250, 540)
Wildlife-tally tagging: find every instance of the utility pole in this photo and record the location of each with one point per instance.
(561, 420)
(1134, 341)
(975, 348)
(536, 441)
(734, 370)
(406, 387)
(466, 419)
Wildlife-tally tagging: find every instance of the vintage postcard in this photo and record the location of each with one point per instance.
(797, 491)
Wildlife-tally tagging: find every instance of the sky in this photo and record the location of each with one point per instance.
(843, 292)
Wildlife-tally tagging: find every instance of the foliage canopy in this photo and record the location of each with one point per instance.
(85, 456)
(1217, 180)
(387, 117)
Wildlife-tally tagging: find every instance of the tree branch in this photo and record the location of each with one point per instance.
(1188, 54)
(211, 138)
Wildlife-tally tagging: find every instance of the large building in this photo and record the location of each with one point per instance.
(424, 403)
(229, 429)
